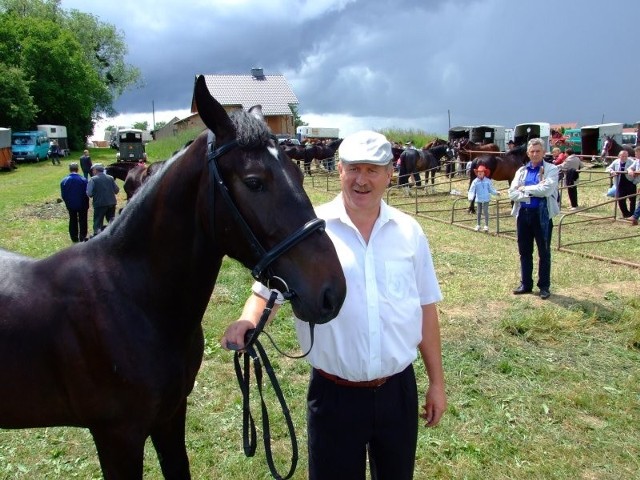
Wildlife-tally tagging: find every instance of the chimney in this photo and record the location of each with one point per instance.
(257, 73)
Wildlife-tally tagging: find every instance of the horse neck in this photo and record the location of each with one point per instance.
(163, 232)
(438, 151)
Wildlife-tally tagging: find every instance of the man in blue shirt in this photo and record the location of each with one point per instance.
(73, 189)
(534, 191)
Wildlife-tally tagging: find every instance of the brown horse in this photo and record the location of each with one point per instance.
(139, 175)
(468, 150)
(611, 148)
(502, 167)
(113, 340)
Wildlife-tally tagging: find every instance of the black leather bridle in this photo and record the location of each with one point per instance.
(261, 270)
(253, 349)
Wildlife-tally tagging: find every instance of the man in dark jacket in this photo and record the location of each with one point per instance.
(73, 189)
(85, 164)
(103, 189)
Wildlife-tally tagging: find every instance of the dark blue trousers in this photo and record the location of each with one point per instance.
(344, 423)
(534, 224)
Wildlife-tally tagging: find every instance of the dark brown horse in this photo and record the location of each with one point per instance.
(468, 150)
(413, 161)
(502, 167)
(314, 151)
(139, 175)
(120, 170)
(112, 341)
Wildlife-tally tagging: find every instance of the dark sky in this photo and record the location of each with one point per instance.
(421, 64)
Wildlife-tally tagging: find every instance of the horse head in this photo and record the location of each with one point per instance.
(274, 230)
(606, 146)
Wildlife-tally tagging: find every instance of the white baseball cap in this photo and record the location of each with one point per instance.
(365, 146)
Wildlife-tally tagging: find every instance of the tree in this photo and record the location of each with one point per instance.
(64, 86)
(141, 125)
(160, 124)
(17, 109)
(297, 121)
(74, 61)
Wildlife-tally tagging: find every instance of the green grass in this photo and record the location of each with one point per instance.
(537, 389)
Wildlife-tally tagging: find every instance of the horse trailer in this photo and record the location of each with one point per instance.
(524, 132)
(6, 160)
(592, 136)
(130, 145)
(307, 133)
(59, 134)
(459, 133)
(485, 134)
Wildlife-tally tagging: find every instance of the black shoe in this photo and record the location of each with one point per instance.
(544, 294)
(521, 290)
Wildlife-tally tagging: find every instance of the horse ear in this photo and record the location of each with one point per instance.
(211, 112)
(256, 111)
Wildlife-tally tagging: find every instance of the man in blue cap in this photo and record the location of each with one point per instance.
(362, 397)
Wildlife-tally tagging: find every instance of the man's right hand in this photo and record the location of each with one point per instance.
(233, 338)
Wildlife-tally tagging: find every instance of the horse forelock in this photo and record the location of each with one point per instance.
(251, 132)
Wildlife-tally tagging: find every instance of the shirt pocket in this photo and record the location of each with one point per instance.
(400, 278)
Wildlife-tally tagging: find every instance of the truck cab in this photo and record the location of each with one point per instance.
(29, 146)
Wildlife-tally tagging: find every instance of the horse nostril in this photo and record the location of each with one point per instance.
(331, 303)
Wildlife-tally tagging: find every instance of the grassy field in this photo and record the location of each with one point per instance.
(537, 389)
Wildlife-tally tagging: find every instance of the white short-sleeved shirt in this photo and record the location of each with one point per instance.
(379, 326)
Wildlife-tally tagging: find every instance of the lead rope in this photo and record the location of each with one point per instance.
(254, 350)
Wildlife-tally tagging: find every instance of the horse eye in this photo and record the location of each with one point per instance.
(254, 184)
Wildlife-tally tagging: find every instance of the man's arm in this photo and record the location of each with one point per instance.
(431, 351)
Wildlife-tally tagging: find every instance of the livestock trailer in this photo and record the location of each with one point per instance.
(592, 136)
(484, 134)
(6, 160)
(130, 146)
(459, 133)
(59, 134)
(523, 132)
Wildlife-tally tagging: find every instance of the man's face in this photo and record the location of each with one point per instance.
(535, 154)
(363, 184)
(623, 155)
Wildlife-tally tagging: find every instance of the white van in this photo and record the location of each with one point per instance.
(629, 138)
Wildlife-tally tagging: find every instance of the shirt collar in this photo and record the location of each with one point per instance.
(531, 167)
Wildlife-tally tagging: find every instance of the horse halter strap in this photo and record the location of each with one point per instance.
(260, 271)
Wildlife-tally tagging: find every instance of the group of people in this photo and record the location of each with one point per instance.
(76, 190)
(625, 174)
(362, 400)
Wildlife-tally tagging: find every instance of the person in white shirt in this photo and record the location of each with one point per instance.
(624, 183)
(362, 396)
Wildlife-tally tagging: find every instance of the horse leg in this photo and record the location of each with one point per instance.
(120, 451)
(168, 440)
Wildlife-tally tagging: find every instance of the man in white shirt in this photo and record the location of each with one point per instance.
(362, 393)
